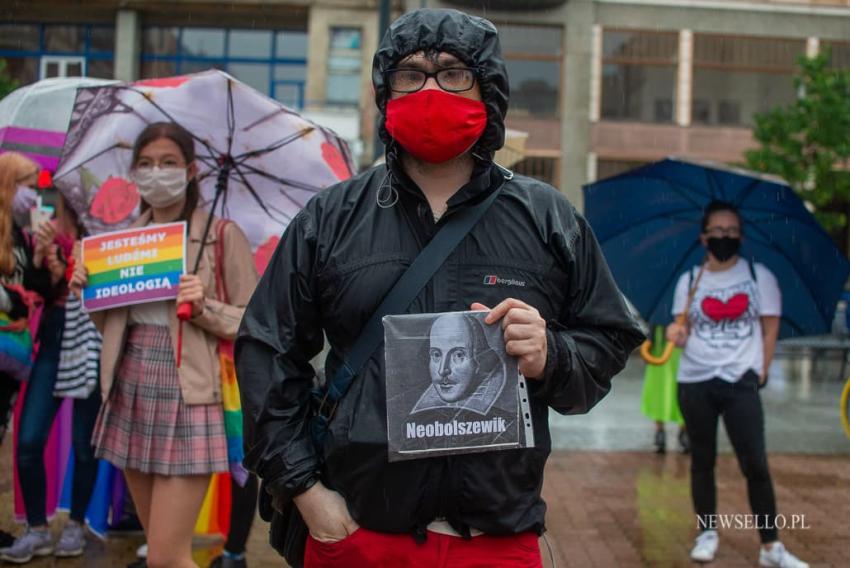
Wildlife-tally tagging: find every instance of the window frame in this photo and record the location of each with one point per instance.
(223, 61)
(531, 56)
(744, 121)
(87, 54)
(640, 62)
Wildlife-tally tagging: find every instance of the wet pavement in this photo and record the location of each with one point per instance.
(800, 406)
(612, 502)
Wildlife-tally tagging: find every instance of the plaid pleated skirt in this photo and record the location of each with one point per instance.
(146, 426)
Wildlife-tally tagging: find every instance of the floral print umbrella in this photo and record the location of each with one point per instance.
(259, 161)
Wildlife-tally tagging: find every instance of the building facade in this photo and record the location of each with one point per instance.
(312, 55)
(599, 85)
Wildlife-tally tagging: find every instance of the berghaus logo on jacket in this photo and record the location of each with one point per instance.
(492, 280)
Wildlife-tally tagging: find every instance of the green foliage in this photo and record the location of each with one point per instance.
(7, 83)
(808, 142)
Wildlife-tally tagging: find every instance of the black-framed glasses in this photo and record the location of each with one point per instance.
(451, 79)
(719, 232)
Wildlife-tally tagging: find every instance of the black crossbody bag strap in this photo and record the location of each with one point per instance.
(397, 300)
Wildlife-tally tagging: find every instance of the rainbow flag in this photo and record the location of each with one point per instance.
(134, 266)
(15, 349)
(232, 412)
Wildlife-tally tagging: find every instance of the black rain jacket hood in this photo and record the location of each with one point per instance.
(471, 39)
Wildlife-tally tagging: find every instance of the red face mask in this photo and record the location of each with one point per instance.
(435, 126)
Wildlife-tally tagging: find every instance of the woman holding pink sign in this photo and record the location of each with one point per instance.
(162, 423)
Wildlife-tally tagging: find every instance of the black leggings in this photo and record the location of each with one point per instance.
(739, 403)
(242, 511)
(9, 387)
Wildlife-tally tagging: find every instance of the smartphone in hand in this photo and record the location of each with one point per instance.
(39, 215)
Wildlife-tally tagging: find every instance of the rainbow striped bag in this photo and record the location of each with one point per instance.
(214, 517)
(16, 338)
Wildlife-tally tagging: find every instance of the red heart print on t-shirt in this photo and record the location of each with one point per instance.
(731, 309)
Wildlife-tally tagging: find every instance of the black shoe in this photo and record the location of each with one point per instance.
(684, 442)
(6, 539)
(660, 442)
(140, 563)
(227, 562)
(129, 524)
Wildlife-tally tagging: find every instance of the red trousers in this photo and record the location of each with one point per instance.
(370, 549)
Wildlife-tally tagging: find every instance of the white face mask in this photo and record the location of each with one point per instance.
(24, 200)
(160, 187)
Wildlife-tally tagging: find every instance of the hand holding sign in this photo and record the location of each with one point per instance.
(525, 334)
(79, 276)
(132, 266)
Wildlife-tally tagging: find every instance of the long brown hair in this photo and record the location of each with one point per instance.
(14, 168)
(184, 141)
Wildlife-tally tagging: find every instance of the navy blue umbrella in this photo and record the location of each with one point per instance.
(648, 223)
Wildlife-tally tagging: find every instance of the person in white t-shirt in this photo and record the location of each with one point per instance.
(733, 311)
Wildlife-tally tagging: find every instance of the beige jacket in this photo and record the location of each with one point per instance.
(200, 381)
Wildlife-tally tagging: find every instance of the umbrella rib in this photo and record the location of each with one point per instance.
(715, 188)
(682, 193)
(263, 205)
(284, 181)
(275, 146)
(231, 117)
(805, 220)
(271, 115)
(165, 113)
(782, 253)
(746, 192)
(631, 227)
(94, 157)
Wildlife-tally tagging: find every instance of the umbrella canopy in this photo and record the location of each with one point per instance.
(34, 118)
(261, 159)
(648, 223)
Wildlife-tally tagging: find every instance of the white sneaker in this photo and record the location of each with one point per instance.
(142, 551)
(34, 542)
(779, 557)
(705, 547)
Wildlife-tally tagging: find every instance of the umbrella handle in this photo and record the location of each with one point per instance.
(646, 348)
(646, 353)
(184, 313)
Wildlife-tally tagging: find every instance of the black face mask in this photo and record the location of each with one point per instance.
(724, 248)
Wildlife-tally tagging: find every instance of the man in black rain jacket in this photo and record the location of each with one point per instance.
(532, 259)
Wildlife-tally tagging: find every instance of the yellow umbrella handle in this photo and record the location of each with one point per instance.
(646, 348)
(646, 353)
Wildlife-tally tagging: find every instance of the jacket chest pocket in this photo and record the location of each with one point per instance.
(350, 293)
(492, 280)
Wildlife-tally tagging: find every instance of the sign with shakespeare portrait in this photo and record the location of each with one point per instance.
(451, 387)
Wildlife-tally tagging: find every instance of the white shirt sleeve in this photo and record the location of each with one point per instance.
(680, 295)
(770, 297)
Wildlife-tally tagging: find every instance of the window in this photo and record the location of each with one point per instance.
(344, 63)
(728, 112)
(737, 77)
(250, 43)
(58, 66)
(533, 57)
(542, 168)
(273, 62)
(611, 168)
(839, 53)
(639, 71)
(37, 51)
(200, 42)
(664, 110)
